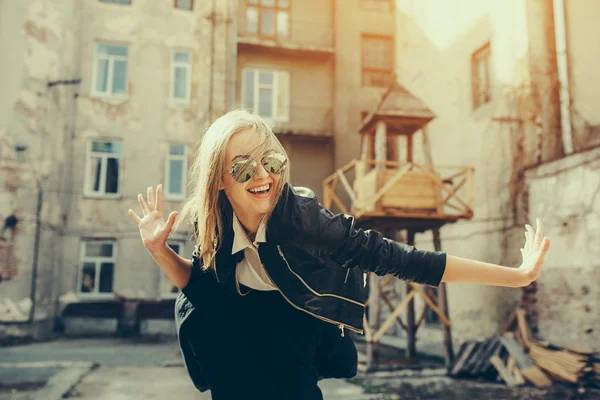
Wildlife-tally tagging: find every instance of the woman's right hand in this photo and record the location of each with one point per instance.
(153, 228)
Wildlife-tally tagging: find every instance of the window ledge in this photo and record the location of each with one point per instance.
(117, 196)
(111, 99)
(95, 296)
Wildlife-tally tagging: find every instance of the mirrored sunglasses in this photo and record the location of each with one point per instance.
(242, 171)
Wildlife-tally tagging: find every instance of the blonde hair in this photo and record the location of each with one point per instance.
(204, 206)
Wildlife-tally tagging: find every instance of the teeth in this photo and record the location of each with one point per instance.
(260, 188)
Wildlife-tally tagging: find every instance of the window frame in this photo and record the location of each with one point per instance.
(276, 9)
(180, 64)
(275, 103)
(96, 93)
(164, 277)
(183, 9)
(365, 5)
(482, 55)
(88, 165)
(97, 260)
(175, 196)
(363, 69)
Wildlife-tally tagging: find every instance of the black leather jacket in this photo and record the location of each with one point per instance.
(318, 261)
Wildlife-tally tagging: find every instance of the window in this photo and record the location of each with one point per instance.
(377, 5)
(176, 172)
(168, 288)
(181, 74)
(184, 4)
(102, 169)
(267, 93)
(116, 1)
(480, 76)
(377, 60)
(97, 265)
(110, 77)
(268, 18)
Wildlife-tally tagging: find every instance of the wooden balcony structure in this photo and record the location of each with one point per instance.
(388, 195)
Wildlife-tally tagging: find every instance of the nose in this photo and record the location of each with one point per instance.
(261, 172)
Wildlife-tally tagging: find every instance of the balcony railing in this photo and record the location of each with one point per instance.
(313, 121)
(303, 35)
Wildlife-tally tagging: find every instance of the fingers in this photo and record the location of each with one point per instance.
(530, 238)
(134, 216)
(150, 194)
(170, 221)
(143, 204)
(539, 234)
(159, 198)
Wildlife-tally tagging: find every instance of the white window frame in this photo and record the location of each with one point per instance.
(164, 277)
(98, 260)
(176, 196)
(111, 60)
(88, 165)
(188, 83)
(275, 87)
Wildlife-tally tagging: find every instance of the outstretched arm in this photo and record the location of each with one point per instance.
(469, 271)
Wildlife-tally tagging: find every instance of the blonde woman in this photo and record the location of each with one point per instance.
(276, 280)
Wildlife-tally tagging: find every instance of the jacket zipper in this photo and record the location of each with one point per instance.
(340, 325)
(311, 289)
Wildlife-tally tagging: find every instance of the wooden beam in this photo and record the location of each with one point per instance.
(388, 185)
(339, 203)
(346, 186)
(443, 303)
(388, 323)
(454, 190)
(430, 303)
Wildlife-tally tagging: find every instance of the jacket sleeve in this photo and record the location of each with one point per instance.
(338, 238)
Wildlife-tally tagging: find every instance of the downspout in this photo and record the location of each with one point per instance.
(211, 84)
(563, 74)
(232, 81)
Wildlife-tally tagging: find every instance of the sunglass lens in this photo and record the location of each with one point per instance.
(242, 171)
(274, 163)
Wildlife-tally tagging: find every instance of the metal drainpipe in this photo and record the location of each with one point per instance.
(563, 74)
(213, 20)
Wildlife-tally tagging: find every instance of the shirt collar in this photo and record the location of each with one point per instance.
(240, 239)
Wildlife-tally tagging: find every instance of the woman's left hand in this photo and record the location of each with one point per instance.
(534, 251)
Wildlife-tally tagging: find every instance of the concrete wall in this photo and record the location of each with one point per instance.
(145, 122)
(568, 293)
(351, 98)
(34, 114)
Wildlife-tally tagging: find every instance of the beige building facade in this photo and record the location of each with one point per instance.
(105, 98)
(515, 93)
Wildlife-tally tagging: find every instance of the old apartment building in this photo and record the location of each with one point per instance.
(104, 98)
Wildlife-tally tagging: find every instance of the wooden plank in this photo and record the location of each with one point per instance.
(391, 308)
(502, 372)
(513, 348)
(346, 186)
(453, 192)
(463, 357)
(535, 376)
(388, 323)
(510, 322)
(523, 327)
(430, 303)
(339, 203)
(491, 349)
(389, 184)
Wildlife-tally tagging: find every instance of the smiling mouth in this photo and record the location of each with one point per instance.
(261, 190)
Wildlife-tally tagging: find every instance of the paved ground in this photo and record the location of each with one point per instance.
(128, 371)
(134, 371)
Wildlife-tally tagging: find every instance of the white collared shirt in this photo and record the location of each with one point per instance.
(250, 271)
